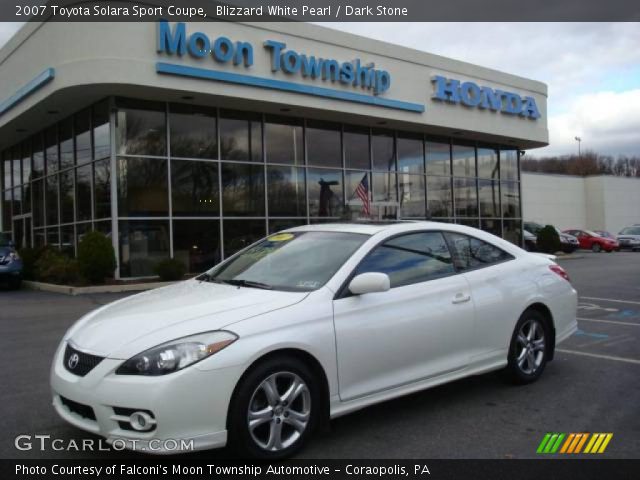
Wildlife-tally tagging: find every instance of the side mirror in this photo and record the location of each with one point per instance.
(371, 282)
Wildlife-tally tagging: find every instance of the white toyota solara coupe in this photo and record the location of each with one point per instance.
(306, 325)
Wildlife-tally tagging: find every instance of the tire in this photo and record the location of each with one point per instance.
(278, 417)
(524, 367)
(596, 248)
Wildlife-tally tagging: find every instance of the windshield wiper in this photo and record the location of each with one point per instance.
(247, 283)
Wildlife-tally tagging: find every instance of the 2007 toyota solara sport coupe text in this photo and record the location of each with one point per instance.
(306, 325)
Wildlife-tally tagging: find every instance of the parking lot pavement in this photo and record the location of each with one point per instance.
(591, 386)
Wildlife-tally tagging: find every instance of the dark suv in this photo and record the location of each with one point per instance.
(10, 263)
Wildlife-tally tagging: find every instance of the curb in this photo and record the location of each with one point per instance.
(68, 290)
(569, 257)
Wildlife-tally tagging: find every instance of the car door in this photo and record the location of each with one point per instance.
(420, 328)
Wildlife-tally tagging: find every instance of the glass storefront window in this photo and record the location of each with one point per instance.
(65, 138)
(7, 210)
(17, 167)
(101, 130)
(465, 197)
(356, 147)
(81, 230)
(8, 174)
(67, 240)
(512, 231)
(51, 200)
(193, 132)
(509, 164)
(352, 180)
(102, 188)
(82, 130)
(286, 192)
(439, 203)
(196, 243)
(323, 144)
(37, 208)
(438, 158)
(242, 190)
(464, 161)
(492, 225)
(384, 187)
(510, 200)
(103, 227)
(142, 245)
(53, 237)
(37, 146)
(284, 224)
(488, 163)
(240, 136)
(489, 196)
(194, 188)
(239, 234)
(141, 128)
(468, 222)
(26, 162)
(39, 237)
(83, 193)
(51, 149)
(412, 197)
(66, 196)
(410, 154)
(142, 187)
(17, 201)
(383, 150)
(325, 192)
(283, 140)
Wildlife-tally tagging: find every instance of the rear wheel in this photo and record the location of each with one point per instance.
(529, 349)
(274, 409)
(596, 247)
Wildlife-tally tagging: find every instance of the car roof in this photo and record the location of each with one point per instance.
(372, 228)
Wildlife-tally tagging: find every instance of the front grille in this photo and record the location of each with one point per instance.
(80, 363)
(85, 411)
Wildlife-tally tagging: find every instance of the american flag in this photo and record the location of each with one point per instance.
(363, 193)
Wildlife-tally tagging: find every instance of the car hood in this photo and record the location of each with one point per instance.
(628, 237)
(4, 251)
(131, 325)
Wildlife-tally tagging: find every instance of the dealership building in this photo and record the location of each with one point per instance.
(192, 140)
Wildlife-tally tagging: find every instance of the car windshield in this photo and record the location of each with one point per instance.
(289, 261)
(592, 234)
(630, 231)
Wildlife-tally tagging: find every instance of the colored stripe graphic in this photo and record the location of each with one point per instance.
(572, 443)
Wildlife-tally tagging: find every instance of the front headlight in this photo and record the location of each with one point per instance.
(13, 256)
(177, 354)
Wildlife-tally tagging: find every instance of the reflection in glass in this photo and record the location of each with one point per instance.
(51, 149)
(51, 200)
(464, 161)
(83, 193)
(193, 132)
(488, 163)
(17, 167)
(39, 237)
(469, 222)
(102, 188)
(101, 130)
(410, 153)
(492, 226)
(83, 136)
(240, 136)
(194, 188)
(142, 132)
(37, 145)
(37, 209)
(438, 158)
(66, 196)
(142, 245)
(489, 195)
(65, 138)
(7, 209)
(239, 234)
(323, 144)
(356, 147)
(509, 164)
(243, 190)
(283, 140)
(67, 240)
(439, 202)
(53, 237)
(196, 243)
(385, 196)
(286, 192)
(352, 180)
(284, 223)
(17, 201)
(512, 231)
(510, 200)
(26, 162)
(465, 197)
(325, 192)
(7, 171)
(142, 187)
(382, 146)
(412, 197)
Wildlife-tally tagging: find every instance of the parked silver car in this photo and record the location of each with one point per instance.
(629, 238)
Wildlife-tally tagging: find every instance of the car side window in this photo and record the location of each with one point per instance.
(411, 258)
(470, 253)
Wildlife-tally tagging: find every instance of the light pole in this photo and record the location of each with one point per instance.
(579, 140)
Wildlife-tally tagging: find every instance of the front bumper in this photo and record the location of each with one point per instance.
(189, 407)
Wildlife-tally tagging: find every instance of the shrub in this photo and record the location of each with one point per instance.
(548, 240)
(55, 267)
(96, 258)
(170, 269)
(29, 258)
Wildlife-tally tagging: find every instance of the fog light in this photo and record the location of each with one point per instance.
(141, 421)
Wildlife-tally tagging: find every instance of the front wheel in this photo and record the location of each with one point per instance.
(274, 409)
(529, 349)
(596, 248)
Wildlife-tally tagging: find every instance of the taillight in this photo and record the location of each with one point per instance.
(557, 269)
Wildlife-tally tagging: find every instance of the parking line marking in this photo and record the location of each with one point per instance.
(604, 357)
(607, 321)
(611, 300)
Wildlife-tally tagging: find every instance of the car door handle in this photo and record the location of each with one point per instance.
(461, 298)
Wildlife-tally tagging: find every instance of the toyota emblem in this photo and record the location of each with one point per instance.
(73, 361)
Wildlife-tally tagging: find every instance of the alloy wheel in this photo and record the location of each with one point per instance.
(279, 411)
(530, 346)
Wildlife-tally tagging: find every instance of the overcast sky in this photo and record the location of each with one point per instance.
(592, 70)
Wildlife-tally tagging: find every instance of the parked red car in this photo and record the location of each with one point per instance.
(590, 240)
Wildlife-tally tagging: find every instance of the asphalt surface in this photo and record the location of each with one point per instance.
(591, 386)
